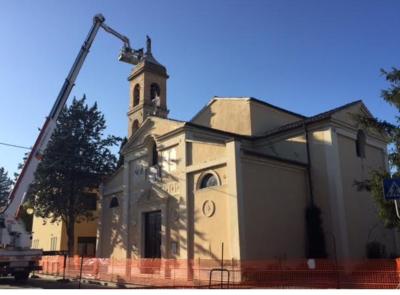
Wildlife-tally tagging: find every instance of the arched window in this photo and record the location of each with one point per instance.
(136, 95)
(135, 126)
(154, 91)
(114, 202)
(154, 157)
(360, 144)
(208, 180)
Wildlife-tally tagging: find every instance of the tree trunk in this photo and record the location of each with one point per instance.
(71, 235)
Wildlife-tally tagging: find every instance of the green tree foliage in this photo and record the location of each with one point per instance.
(5, 186)
(76, 160)
(121, 156)
(374, 184)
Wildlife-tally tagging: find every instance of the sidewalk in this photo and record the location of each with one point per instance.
(88, 283)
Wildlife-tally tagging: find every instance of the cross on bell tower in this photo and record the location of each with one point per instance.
(148, 90)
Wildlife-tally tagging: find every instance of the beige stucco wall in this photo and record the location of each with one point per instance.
(259, 204)
(184, 225)
(361, 212)
(348, 215)
(43, 231)
(201, 152)
(275, 197)
(226, 115)
(165, 195)
(138, 196)
(210, 231)
(290, 147)
(111, 229)
(243, 116)
(265, 118)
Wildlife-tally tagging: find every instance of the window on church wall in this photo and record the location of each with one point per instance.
(360, 144)
(135, 126)
(114, 202)
(136, 95)
(154, 154)
(168, 161)
(208, 180)
(154, 91)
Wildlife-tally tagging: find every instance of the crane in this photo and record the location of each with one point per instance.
(13, 235)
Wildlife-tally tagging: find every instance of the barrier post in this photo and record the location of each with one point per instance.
(64, 266)
(174, 270)
(222, 265)
(80, 273)
(233, 269)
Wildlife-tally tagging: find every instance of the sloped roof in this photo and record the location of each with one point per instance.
(272, 132)
(283, 128)
(311, 119)
(245, 98)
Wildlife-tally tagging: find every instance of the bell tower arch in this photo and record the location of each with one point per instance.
(148, 90)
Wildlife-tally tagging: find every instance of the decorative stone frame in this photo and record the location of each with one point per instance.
(202, 175)
(149, 202)
(136, 95)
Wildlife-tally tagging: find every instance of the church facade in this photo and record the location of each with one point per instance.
(240, 174)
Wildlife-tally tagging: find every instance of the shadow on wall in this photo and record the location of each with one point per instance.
(205, 118)
(112, 234)
(184, 223)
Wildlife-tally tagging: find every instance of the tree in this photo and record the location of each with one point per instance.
(75, 162)
(374, 184)
(121, 156)
(5, 186)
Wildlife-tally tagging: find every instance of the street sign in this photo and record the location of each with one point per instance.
(391, 188)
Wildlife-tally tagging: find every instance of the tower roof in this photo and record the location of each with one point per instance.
(148, 63)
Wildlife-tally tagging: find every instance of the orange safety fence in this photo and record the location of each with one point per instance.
(167, 273)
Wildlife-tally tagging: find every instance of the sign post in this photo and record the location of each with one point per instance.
(391, 191)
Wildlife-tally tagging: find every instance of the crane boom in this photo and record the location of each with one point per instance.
(18, 193)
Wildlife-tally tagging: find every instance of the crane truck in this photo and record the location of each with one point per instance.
(16, 256)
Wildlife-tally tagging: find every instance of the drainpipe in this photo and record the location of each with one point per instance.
(310, 184)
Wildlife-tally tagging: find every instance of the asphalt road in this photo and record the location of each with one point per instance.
(45, 283)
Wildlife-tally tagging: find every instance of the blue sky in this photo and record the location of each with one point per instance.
(306, 56)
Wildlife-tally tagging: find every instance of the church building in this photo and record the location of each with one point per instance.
(241, 173)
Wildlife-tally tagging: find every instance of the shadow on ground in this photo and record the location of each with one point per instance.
(46, 283)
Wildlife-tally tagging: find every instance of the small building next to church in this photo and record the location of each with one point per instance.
(242, 172)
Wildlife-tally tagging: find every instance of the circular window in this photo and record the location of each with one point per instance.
(208, 180)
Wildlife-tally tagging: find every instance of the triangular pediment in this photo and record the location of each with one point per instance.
(349, 116)
(154, 127)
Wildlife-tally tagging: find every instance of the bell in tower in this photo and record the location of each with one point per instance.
(148, 90)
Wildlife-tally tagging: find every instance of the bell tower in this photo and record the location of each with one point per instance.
(148, 90)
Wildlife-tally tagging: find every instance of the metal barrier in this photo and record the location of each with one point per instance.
(198, 273)
(222, 270)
